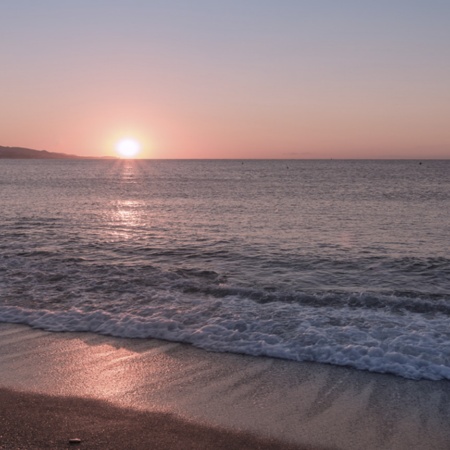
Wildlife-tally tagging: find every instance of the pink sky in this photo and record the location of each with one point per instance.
(247, 79)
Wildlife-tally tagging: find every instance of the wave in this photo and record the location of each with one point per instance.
(398, 331)
(409, 345)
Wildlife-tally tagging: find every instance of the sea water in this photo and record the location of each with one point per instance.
(340, 262)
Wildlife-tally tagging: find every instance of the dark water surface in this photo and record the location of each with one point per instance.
(344, 262)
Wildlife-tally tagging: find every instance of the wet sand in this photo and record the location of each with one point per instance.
(189, 395)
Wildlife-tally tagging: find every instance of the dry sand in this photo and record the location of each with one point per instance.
(203, 394)
(36, 421)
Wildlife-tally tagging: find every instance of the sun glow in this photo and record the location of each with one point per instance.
(128, 148)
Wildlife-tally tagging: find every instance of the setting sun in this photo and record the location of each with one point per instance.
(128, 148)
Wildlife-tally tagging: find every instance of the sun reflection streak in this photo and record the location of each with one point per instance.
(126, 216)
(126, 213)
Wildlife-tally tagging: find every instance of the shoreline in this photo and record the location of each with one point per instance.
(307, 405)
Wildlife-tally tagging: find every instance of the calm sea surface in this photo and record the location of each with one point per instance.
(341, 262)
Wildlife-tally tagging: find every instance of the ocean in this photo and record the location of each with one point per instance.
(337, 262)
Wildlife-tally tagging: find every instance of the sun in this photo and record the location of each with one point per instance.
(128, 148)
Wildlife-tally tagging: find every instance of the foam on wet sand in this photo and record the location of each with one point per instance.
(307, 404)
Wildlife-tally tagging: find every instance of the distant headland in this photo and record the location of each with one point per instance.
(28, 153)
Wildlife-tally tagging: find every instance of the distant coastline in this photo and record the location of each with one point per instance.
(28, 153)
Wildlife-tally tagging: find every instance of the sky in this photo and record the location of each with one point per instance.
(227, 79)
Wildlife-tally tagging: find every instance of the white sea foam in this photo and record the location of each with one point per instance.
(408, 345)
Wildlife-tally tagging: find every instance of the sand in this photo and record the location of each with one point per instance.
(112, 389)
(36, 421)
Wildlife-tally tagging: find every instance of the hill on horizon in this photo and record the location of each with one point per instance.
(28, 153)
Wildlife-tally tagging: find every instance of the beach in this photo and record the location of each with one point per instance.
(52, 422)
(107, 391)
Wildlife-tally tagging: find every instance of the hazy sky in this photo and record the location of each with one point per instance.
(227, 79)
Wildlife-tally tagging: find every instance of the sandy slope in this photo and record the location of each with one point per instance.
(303, 403)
